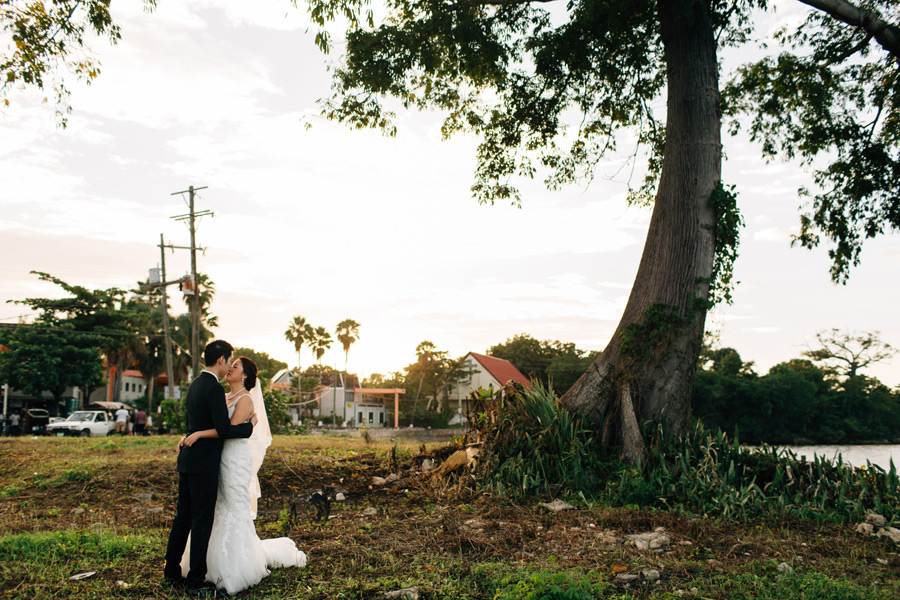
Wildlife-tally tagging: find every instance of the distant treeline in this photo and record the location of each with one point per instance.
(795, 402)
(823, 400)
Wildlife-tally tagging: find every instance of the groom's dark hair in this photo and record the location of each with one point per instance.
(216, 349)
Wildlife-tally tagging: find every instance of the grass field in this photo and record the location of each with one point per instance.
(70, 506)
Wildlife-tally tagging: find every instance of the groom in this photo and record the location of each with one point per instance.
(198, 469)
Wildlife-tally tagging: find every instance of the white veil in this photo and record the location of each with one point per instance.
(258, 442)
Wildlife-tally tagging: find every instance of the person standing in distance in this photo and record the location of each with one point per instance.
(140, 422)
(121, 420)
(198, 469)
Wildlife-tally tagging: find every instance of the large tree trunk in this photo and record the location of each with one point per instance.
(646, 381)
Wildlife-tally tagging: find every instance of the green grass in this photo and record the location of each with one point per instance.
(451, 548)
(40, 565)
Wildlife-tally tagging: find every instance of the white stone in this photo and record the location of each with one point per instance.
(627, 578)
(411, 593)
(785, 568)
(654, 540)
(378, 480)
(876, 520)
(865, 529)
(371, 511)
(660, 541)
(339, 497)
(650, 575)
(892, 533)
(427, 464)
(557, 506)
(391, 478)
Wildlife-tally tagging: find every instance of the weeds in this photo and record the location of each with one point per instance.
(710, 474)
(537, 447)
(482, 548)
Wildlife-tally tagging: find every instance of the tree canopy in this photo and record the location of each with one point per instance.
(548, 91)
(49, 40)
(555, 364)
(39, 358)
(845, 353)
(65, 344)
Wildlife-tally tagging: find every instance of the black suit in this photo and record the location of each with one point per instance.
(198, 476)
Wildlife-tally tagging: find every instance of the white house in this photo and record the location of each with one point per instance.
(484, 372)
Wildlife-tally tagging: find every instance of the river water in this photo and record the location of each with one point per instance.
(877, 454)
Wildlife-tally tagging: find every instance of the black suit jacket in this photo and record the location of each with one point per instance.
(205, 409)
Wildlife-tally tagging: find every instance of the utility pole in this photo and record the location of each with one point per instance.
(164, 284)
(170, 369)
(191, 218)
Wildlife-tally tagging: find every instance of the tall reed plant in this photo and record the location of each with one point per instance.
(535, 446)
(708, 473)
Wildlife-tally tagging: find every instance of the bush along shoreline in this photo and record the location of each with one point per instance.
(535, 447)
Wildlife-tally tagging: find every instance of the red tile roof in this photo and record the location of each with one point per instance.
(500, 369)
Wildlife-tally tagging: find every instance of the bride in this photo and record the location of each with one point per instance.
(237, 559)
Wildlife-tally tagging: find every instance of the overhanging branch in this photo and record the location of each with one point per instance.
(884, 33)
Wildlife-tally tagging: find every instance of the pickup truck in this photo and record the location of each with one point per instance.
(86, 423)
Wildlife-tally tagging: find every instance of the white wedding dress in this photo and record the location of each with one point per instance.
(237, 559)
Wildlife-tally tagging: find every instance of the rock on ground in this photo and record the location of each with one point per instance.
(891, 533)
(627, 578)
(557, 506)
(654, 540)
(411, 593)
(875, 520)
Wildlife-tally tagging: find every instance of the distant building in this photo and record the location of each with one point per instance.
(132, 385)
(282, 380)
(484, 372)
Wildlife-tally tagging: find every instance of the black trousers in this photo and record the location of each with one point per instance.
(194, 515)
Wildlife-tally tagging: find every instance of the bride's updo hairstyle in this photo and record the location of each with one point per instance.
(250, 372)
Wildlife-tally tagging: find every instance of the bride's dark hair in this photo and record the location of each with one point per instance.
(250, 372)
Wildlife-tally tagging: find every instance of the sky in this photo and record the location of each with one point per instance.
(312, 218)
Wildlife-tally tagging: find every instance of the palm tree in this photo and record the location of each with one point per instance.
(347, 332)
(299, 332)
(321, 341)
(424, 353)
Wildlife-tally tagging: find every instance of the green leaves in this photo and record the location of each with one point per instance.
(709, 473)
(832, 93)
(49, 39)
(43, 357)
(728, 236)
(538, 447)
(505, 73)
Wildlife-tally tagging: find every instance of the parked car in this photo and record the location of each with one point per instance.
(86, 423)
(36, 421)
